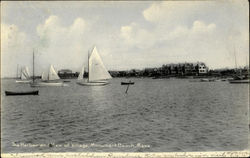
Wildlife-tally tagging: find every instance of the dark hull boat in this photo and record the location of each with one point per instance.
(127, 83)
(66, 81)
(21, 93)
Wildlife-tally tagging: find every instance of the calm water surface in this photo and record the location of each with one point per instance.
(164, 115)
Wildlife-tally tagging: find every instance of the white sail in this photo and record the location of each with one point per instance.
(24, 75)
(26, 72)
(97, 70)
(52, 74)
(43, 77)
(80, 77)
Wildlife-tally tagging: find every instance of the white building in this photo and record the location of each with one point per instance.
(203, 69)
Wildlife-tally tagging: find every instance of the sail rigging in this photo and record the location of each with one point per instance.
(52, 74)
(33, 63)
(25, 73)
(97, 70)
(23, 77)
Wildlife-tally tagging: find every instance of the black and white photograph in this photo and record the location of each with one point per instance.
(125, 78)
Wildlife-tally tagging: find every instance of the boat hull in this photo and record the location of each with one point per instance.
(21, 93)
(239, 81)
(48, 84)
(66, 81)
(100, 83)
(127, 83)
(23, 81)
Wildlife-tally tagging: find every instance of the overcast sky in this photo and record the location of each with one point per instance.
(127, 34)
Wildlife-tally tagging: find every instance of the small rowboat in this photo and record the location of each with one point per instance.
(66, 81)
(127, 83)
(21, 93)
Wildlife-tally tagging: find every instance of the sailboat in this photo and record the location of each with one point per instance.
(238, 79)
(97, 72)
(80, 76)
(25, 76)
(51, 80)
(52, 75)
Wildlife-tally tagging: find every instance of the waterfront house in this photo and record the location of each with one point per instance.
(202, 68)
(66, 73)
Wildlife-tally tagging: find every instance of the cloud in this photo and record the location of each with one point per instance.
(12, 38)
(172, 12)
(15, 46)
(183, 31)
(198, 29)
(170, 45)
(199, 26)
(164, 32)
(136, 36)
(52, 32)
(126, 31)
(61, 45)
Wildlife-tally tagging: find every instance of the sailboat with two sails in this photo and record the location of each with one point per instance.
(97, 72)
(52, 79)
(24, 76)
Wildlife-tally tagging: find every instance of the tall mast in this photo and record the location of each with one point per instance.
(88, 65)
(49, 72)
(33, 78)
(246, 62)
(235, 59)
(17, 71)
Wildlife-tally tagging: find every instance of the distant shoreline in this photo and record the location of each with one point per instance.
(158, 73)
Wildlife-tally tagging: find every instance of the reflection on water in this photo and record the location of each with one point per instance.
(168, 115)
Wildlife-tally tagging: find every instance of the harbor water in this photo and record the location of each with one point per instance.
(161, 115)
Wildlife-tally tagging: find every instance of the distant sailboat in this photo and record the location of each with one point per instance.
(25, 76)
(80, 77)
(97, 73)
(52, 75)
(51, 80)
(239, 78)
